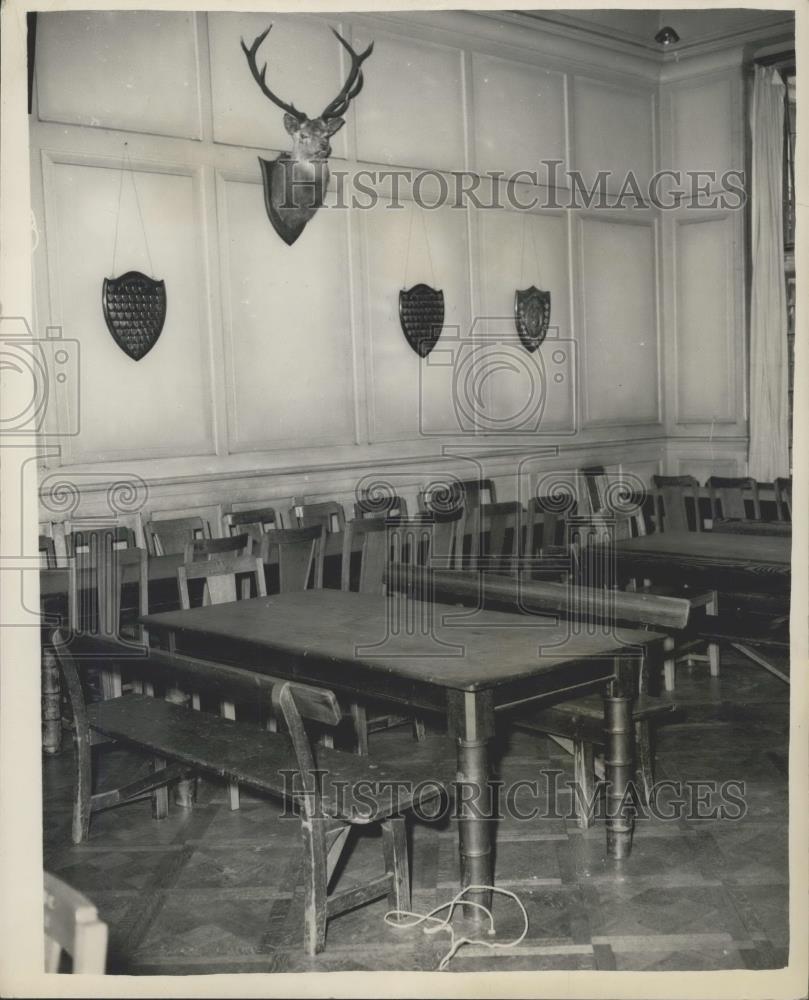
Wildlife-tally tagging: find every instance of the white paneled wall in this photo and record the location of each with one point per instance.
(283, 371)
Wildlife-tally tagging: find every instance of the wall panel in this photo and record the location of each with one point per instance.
(160, 404)
(519, 115)
(287, 327)
(619, 321)
(409, 395)
(613, 131)
(706, 328)
(134, 70)
(704, 126)
(411, 110)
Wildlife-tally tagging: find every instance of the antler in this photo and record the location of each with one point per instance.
(353, 84)
(258, 76)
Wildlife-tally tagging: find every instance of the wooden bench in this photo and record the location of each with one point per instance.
(184, 742)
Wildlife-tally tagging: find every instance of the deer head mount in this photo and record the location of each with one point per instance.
(295, 183)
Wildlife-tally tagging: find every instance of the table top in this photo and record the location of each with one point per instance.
(732, 550)
(53, 581)
(744, 526)
(353, 629)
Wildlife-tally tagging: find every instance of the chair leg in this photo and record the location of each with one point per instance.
(644, 763)
(668, 663)
(228, 711)
(360, 717)
(111, 684)
(314, 885)
(82, 807)
(419, 730)
(712, 608)
(394, 844)
(160, 796)
(583, 782)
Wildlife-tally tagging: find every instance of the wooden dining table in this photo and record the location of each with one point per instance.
(423, 657)
(723, 561)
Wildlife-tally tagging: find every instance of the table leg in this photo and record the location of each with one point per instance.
(471, 717)
(619, 763)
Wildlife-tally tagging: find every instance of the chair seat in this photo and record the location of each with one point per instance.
(258, 759)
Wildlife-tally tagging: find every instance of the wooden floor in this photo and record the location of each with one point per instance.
(211, 890)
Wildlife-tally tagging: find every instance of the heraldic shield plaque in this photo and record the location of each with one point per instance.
(532, 314)
(421, 313)
(135, 310)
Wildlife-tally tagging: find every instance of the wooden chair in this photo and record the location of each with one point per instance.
(226, 578)
(445, 549)
(501, 526)
(298, 553)
(729, 496)
(170, 536)
(376, 540)
(72, 927)
(674, 496)
(389, 506)
(547, 553)
(255, 522)
(96, 583)
(783, 498)
(206, 548)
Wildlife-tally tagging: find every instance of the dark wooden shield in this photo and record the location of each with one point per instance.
(291, 197)
(421, 313)
(135, 310)
(532, 314)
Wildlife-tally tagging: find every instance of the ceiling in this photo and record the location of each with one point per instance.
(697, 29)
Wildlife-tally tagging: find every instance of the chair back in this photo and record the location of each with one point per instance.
(255, 522)
(501, 526)
(96, 582)
(545, 522)
(299, 553)
(783, 498)
(72, 926)
(442, 533)
(373, 539)
(595, 481)
(328, 513)
(226, 578)
(78, 541)
(388, 506)
(728, 496)
(47, 552)
(170, 536)
(205, 548)
(674, 495)
(298, 702)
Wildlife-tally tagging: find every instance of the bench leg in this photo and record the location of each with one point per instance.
(314, 885)
(668, 664)
(419, 730)
(228, 711)
(394, 844)
(583, 783)
(160, 796)
(185, 790)
(360, 717)
(643, 758)
(82, 807)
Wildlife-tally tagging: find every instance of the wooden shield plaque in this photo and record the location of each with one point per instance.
(421, 313)
(532, 314)
(135, 310)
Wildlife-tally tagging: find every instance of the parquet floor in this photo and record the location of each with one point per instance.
(210, 890)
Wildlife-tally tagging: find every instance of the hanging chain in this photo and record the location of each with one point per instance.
(126, 166)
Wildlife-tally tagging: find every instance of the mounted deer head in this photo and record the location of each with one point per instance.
(295, 183)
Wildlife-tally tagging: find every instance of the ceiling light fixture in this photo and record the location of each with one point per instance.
(667, 36)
